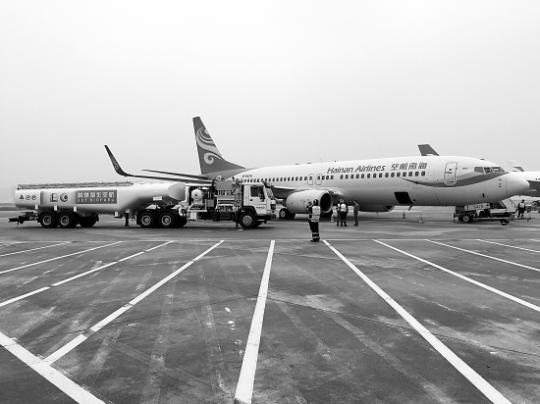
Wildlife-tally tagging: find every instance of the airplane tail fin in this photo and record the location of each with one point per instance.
(210, 159)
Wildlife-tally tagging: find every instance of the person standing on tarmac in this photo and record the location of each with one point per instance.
(356, 207)
(342, 213)
(313, 218)
(521, 209)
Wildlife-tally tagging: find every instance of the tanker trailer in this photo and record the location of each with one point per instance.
(69, 205)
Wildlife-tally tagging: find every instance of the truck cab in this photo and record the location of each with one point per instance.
(248, 203)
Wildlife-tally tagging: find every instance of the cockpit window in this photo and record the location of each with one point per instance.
(489, 170)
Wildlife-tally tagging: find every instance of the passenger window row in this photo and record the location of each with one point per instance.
(342, 177)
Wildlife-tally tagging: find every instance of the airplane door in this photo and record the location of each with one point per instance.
(318, 179)
(450, 174)
(310, 179)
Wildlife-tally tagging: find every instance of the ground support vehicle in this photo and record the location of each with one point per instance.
(248, 203)
(157, 204)
(502, 211)
(69, 205)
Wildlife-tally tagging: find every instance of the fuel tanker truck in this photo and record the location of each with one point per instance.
(156, 204)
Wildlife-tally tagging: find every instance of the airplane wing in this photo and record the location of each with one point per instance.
(123, 173)
(427, 150)
(183, 175)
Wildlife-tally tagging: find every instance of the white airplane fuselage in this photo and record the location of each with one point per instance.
(413, 180)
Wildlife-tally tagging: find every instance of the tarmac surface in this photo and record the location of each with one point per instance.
(399, 309)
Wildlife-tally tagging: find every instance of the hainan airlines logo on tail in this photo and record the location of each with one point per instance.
(205, 142)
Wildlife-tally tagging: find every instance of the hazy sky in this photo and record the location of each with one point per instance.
(275, 83)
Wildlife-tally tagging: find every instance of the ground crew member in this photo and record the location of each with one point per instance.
(314, 211)
(356, 207)
(521, 209)
(342, 213)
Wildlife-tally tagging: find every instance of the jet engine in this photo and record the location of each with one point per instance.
(375, 208)
(297, 201)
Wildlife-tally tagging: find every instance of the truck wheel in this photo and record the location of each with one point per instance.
(166, 220)
(67, 220)
(247, 220)
(48, 220)
(87, 221)
(466, 219)
(283, 214)
(147, 219)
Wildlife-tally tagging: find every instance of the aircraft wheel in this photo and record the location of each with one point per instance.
(166, 219)
(48, 220)
(247, 220)
(147, 219)
(67, 220)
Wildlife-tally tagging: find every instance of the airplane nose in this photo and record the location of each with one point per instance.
(516, 185)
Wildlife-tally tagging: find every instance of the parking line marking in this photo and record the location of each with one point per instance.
(99, 325)
(33, 249)
(467, 279)
(56, 258)
(12, 300)
(485, 256)
(508, 245)
(474, 378)
(53, 376)
(244, 387)
(161, 245)
(34, 292)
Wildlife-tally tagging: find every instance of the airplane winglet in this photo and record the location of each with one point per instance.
(115, 164)
(427, 150)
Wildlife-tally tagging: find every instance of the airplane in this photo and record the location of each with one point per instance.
(376, 184)
(532, 177)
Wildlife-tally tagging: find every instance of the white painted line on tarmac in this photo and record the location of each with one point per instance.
(465, 278)
(244, 387)
(474, 378)
(158, 246)
(7, 243)
(91, 271)
(53, 376)
(2, 304)
(130, 256)
(96, 327)
(56, 258)
(34, 292)
(79, 339)
(486, 256)
(33, 249)
(508, 245)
